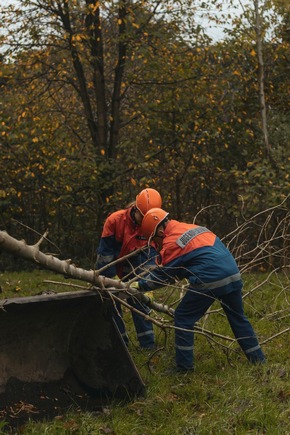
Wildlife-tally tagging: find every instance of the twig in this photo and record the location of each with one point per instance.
(275, 336)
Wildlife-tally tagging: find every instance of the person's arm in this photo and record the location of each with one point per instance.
(157, 278)
(108, 249)
(106, 253)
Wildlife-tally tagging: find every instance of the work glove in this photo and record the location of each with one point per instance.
(150, 295)
(135, 285)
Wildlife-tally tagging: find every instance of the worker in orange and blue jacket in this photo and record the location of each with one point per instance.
(121, 236)
(197, 254)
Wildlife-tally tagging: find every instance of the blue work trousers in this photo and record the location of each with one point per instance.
(144, 328)
(194, 305)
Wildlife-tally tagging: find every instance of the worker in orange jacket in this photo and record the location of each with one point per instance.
(122, 235)
(197, 254)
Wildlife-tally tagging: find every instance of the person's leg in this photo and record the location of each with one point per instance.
(232, 304)
(118, 317)
(191, 308)
(144, 328)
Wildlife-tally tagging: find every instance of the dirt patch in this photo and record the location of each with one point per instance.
(44, 401)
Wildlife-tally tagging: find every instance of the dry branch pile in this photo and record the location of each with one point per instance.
(268, 251)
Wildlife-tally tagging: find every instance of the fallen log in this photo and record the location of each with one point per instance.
(67, 268)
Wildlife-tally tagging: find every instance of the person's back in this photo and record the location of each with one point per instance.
(194, 252)
(201, 255)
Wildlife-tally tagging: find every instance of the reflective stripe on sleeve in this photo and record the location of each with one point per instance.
(105, 258)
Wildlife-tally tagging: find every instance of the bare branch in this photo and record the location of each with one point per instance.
(268, 250)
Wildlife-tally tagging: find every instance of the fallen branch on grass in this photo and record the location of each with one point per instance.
(67, 268)
(269, 250)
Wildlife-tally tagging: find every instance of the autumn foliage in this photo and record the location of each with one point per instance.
(99, 100)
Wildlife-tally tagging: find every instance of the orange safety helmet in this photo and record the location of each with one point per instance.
(147, 199)
(151, 220)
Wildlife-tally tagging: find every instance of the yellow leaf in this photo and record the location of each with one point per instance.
(133, 181)
(253, 53)
(103, 152)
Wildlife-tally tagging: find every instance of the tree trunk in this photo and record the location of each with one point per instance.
(65, 267)
(258, 31)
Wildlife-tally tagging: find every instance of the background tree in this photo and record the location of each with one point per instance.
(103, 99)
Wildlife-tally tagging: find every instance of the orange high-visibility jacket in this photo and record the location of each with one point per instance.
(193, 252)
(120, 236)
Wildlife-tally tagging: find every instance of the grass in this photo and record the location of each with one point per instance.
(17, 284)
(225, 395)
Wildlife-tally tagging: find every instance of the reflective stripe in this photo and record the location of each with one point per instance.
(253, 349)
(186, 237)
(105, 258)
(184, 347)
(220, 283)
(141, 334)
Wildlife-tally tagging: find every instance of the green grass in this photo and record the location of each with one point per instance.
(225, 395)
(17, 284)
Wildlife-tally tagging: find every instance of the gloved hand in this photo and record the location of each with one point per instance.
(135, 285)
(150, 295)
